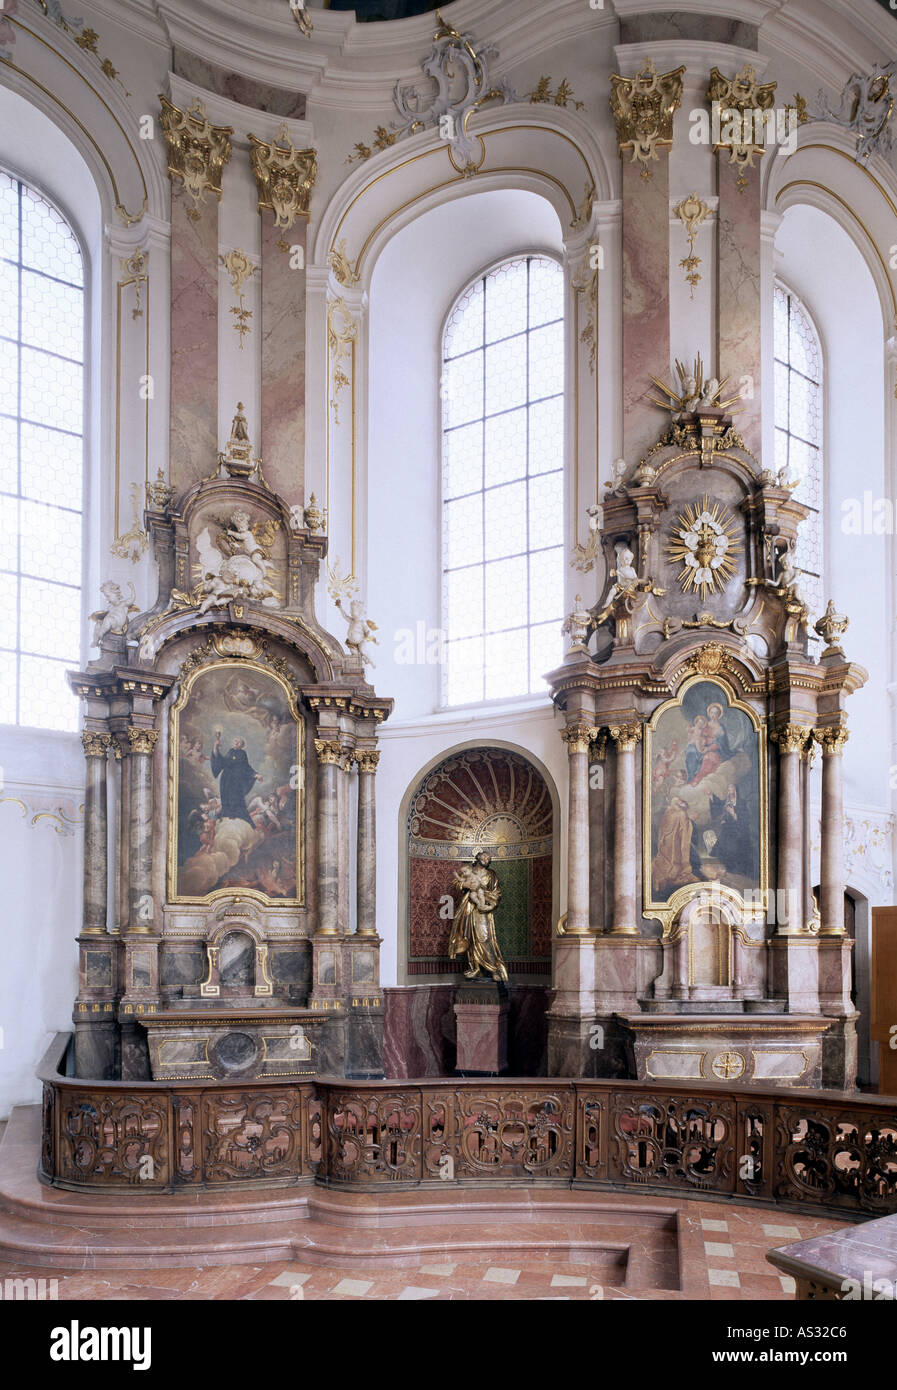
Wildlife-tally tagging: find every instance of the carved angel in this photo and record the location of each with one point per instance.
(237, 565)
(361, 629)
(115, 618)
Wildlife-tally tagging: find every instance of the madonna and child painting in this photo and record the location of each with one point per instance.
(703, 795)
(236, 786)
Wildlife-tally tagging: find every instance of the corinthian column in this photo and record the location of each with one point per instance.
(141, 912)
(328, 751)
(95, 747)
(831, 882)
(791, 740)
(577, 738)
(366, 866)
(626, 737)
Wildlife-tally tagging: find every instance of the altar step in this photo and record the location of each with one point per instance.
(630, 1242)
(713, 1006)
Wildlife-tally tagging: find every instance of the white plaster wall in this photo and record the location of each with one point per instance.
(419, 275)
(817, 259)
(40, 869)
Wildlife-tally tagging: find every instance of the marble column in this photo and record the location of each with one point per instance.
(122, 880)
(96, 746)
(806, 766)
(141, 905)
(646, 303)
(328, 751)
(738, 294)
(597, 831)
(791, 740)
(626, 737)
(366, 861)
(283, 358)
(577, 737)
(285, 177)
(831, 882)
(197, 152)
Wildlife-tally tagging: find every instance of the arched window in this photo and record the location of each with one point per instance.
(502, 482)
(41, 466)
(798, 397)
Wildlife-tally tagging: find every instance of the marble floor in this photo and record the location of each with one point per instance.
(702, 1250)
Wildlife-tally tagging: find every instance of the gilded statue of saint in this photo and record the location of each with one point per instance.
(473, 928)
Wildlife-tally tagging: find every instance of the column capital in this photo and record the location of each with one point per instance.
(366, 758)
(328, 750)
(832, 741)
(643, 107)
(626, 736)
(284, 177)
(578, 736)
(95, 744)
(792, 738)
(142, 740)
(197, 151)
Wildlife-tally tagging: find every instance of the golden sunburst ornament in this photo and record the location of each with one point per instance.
(704, 542)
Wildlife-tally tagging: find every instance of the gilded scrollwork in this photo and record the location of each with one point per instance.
(197, 151)
(643, 107)
(285, 177)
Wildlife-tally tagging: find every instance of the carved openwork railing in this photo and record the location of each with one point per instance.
(800, 1148)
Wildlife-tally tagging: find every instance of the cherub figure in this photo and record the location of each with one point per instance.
(710, 393)
(115, 618)
(361, 629)
(618, 468)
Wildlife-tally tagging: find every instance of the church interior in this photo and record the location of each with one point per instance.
(447, 694)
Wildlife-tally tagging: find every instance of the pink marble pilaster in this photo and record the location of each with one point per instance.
(283, 357)
(646, 299)
(194, 339)
(739, 295)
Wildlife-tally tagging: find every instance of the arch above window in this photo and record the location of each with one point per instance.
(41, 470)
(503, 482)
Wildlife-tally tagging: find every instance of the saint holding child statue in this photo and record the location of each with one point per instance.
(473, 928)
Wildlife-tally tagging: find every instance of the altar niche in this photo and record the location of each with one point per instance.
(236, 788)
(705, 800)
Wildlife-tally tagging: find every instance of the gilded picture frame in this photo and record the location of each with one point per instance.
(249, 823)
(705, 816)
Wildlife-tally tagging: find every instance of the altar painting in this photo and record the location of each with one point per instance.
(236, 758)
(703, 784)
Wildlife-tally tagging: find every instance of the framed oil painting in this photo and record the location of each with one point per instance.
(235, 787)
(704, 796)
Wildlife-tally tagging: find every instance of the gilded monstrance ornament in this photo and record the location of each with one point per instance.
(704, 543)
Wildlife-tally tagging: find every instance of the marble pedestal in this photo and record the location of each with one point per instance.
(481, 1019)
(737, 1050)
(206, 1045)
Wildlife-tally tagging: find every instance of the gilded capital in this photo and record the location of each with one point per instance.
(95, 745)
(831, 741)
(366, 759)
(626, 736)
(142, 740)
(643, 107)
(284, 177)
(791, 738)
(197, 151)
(328, 750)
(578, 737)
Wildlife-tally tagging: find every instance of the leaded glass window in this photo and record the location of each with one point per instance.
(41, 420)
(798, 424)
(502, 482)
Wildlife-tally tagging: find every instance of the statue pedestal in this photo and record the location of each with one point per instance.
(481, 1018)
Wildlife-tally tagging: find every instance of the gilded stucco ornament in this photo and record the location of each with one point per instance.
(692, 212)
(284, 176)
(704, 542)
(197, 151)
(643, 107)
(744, 105)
